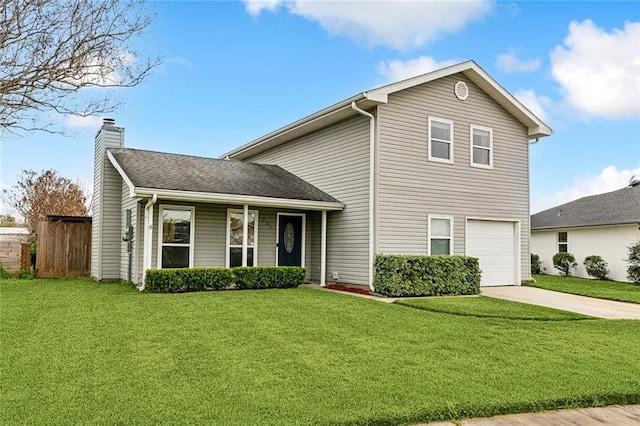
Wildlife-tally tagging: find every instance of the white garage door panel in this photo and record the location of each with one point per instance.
(493, 243)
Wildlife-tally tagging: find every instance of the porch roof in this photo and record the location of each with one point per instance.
(190, 178)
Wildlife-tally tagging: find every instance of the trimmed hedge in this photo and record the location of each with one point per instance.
(404, 275)
(199, 279)
(259, 277)
(187, 279)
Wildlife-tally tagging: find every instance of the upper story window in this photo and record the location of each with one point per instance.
(440, 140)
(481, 147)
(440, 234)
(176, 237)
(563, 242)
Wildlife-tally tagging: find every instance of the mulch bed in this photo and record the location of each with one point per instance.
(348, 289)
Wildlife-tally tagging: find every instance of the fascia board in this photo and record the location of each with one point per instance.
(205, 197)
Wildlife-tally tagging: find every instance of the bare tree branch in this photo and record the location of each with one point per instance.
(36, 196)
(52, 52)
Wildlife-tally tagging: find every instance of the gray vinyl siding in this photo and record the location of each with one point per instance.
(106, 227)
(128, 203)
(336, 160)
(210, 234)
(409, 187)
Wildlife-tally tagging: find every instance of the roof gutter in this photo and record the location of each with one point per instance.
(372, 162)
(206, 197)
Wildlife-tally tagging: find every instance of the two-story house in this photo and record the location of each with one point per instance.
(436, 164)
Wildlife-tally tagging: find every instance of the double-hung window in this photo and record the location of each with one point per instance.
(563, 242)
(440, 233)
(235, 229)
(440, 140)
(176, 237)
(481, 147)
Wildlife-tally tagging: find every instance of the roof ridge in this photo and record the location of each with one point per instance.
(177, 154)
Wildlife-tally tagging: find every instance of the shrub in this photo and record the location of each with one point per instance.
(402, 275)
(564, 262)
(536, 264)
(633, 271)
(259, 277)
(187, 279)
(596, 267)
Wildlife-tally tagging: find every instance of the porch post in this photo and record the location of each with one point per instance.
(245, 232)
(323, 249)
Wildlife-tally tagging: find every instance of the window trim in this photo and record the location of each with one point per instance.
(450, 142)
(558, 242)
(192, 228)
(473, 127)
(228, 237)
(429, 236)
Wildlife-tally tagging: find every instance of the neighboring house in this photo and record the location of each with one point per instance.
(436, 164)
(604, 225)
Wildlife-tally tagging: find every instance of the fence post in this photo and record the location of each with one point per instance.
(25, 257)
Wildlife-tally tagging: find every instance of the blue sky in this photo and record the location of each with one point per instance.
(233, 71)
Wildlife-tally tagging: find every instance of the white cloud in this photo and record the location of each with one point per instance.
(79, 122)
(397, 24)
(599, 71)
(397, 70)
(255, 7)
(537, 104)
(608, 180)
(509, 63)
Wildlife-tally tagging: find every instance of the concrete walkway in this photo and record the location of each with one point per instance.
(621, 415)
(598, 308)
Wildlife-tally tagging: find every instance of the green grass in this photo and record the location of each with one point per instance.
(611, 290)
(487, 307)
(77, 352)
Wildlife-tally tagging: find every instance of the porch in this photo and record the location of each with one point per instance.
(181, 234)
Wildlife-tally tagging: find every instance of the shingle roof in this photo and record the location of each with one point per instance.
(160, 170)
(617, 207)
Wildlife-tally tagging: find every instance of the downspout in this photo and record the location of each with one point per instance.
(372, 163)
(148, 237)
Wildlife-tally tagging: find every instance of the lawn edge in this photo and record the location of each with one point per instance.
(458, 413)
(573, 316)
(579, 293)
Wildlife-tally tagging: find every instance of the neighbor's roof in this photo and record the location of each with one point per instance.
(617, 207)
(13, 230)
(366, 100)
(210, 179)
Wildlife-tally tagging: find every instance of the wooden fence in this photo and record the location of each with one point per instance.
(64, 247)
(11, 251)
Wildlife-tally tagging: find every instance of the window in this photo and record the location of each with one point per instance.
(440, 140)
(440, 234)
(481, 147)
(234, 237)
(563, 243)
(176, 242)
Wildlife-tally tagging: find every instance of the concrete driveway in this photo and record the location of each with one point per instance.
(598, 308)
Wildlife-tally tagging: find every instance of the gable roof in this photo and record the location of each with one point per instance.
(369, 99)
(190, 178)
(612, 208)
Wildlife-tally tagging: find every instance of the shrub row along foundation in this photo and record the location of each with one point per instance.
(400, 275)
(202, 279)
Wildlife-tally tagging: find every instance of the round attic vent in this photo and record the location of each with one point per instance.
(461, 90)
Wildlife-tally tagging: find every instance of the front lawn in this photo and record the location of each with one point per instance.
(487, 307)
(611, 290)
(77, 352)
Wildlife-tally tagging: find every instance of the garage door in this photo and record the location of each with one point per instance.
(494, 244)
